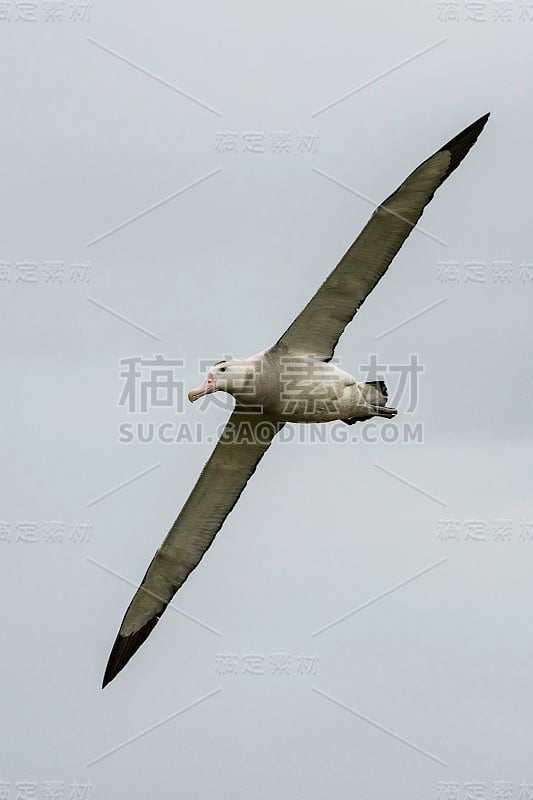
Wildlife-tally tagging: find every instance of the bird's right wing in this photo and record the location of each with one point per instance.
(318, 328)
(244, 441)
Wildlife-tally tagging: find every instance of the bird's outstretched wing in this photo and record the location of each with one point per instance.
(245, 439)
(318, 328)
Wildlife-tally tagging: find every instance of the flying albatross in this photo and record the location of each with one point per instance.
(292, 381)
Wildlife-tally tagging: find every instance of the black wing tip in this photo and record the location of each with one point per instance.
(459, 146)
(124, 648)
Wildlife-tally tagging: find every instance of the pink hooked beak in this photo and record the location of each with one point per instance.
(207, 387)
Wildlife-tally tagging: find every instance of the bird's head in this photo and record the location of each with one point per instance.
(224, 376)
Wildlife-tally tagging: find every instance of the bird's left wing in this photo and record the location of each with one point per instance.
(245, 439)
(318, 328)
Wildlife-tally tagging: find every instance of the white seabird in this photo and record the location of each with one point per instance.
(265, 398)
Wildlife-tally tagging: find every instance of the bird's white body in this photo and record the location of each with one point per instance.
(289, 387)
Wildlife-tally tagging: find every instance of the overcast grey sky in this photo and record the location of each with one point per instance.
(228, 113)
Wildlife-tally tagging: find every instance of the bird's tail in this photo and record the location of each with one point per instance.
(384, 411)
(378, 394)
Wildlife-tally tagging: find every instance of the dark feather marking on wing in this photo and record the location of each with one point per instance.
(125, 647)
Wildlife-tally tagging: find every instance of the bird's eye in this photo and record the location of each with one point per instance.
(222, 369)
